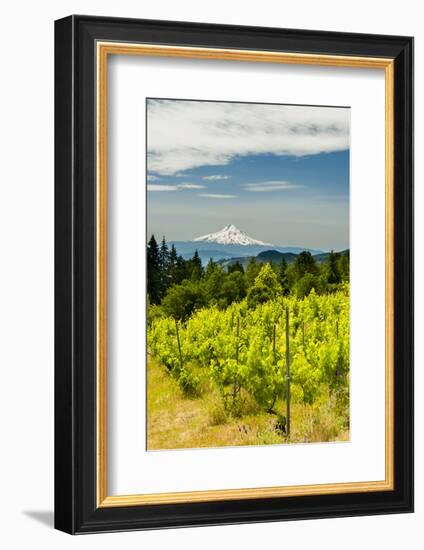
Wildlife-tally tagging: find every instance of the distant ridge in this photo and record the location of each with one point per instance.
(323, 257)
(274, 256)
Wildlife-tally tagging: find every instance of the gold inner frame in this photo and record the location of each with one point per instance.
(104, 49)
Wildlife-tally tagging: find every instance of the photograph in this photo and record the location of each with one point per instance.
(233, 269)
(247, 265)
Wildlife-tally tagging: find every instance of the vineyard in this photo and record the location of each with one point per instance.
(281, 361)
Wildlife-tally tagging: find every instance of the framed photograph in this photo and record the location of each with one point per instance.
(234, 274)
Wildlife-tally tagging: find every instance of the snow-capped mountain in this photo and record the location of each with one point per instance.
(230, 234)
(229, 243)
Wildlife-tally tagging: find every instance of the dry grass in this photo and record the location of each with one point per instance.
(175, 421)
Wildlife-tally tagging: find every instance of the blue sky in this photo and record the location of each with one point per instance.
(280, 173)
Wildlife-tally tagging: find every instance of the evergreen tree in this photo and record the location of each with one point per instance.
(214, 278)
(252, 271)
(305, 263)
(236, 266)
(172, 265)
(164, 267)
(211, 268)
(196, 267)
(173, 254)
(282, 276)
(236, 280)
(181, 271)
(164, 254)
(333, 276)
(343, 265)
(153, 271)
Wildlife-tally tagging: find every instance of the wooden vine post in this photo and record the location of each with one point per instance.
(237, 338)
(337, 337)
(179, 344)
(287, 373)
(235, 382)
(274, 352)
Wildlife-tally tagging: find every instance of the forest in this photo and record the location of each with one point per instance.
(246, 356)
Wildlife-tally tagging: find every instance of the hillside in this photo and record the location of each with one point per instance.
(274, 256)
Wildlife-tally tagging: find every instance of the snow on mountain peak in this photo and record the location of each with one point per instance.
(230, 234)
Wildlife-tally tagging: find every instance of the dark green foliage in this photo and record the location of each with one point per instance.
(343, 265)
(252, 271)
(257, 295)
(181, 271)
(184, 285)
(305, 263)
(164, 267)
(173, 265)
(233, 289)
(333, 275)
(213, 278)
(164, 255)
(153, 271)
(236, 266)
(223, 288)
(195, 267)
(238, 279)
(211, 268)
(182, 300)
(282, 276)
(305, 284)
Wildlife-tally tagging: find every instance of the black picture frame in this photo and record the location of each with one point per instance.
(76, 510)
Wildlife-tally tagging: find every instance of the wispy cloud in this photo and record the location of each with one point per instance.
(216, 177)
(151, 177)
(270, 186)
(183, 135)
(217, 196)
(164, 188)
(191, 186)
(155, 187)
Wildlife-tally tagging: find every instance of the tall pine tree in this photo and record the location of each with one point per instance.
(305, 263)
(282, 276)
(196, 267)
(153, 271)
(333, 275)
(236, 266)
(172, 265)
(252, 271)
(164, 268)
